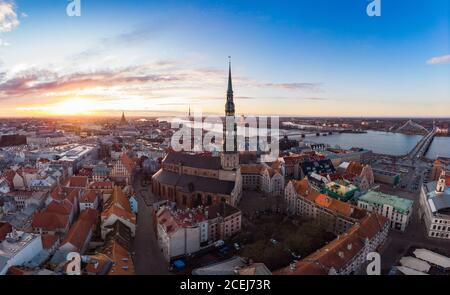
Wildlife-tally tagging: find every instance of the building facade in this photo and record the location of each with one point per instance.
(347, 254)
(397, 210)
(336, 216)
(435, 207)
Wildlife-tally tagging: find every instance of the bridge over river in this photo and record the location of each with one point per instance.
(421, 148)
(417, 152)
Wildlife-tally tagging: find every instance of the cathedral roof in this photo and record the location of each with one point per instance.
(193, 160)
(191, 183)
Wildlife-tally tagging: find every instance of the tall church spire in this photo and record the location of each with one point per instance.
(229, 106)
(230, 84)
(123, 121)
(229, 159)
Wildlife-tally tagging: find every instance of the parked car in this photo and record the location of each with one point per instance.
(219, 243)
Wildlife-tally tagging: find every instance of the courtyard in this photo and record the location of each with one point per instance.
(268, 235)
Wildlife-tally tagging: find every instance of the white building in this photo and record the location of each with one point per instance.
(175, 237)
(89, 200)
(435, 207)
(184, 232)
(17, 249)
(77, 155)
(397, 210)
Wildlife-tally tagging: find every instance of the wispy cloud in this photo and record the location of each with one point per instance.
(141, 33)
(439, 60)
(8, 20)
(4, 43)
(8, 17)
(312, 87)
(37, 82)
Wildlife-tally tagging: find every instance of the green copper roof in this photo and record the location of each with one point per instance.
(399, 204)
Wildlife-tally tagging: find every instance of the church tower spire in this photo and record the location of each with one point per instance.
(123, 121)
(229, 106)
(230, 155)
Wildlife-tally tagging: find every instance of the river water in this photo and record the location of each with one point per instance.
(439, 148)
(389, 143)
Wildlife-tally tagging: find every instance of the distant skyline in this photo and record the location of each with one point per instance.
(295, 58)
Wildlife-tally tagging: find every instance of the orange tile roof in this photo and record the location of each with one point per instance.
(122, 262)
(302, 187)
(127, 162)
(304, 190)
(340, 251)
(79, 232)
(97, 263)
(88, 197)
(252, 169)
(118, 198)
(114, 210)
(334, 205)
(353, 170)
(292, 160)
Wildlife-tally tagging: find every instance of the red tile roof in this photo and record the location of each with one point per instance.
(102, 184)
(78, 181)
(5, 228)
(85, 172)
(79, 232)
(122, 261)
(340, 251)
(50, 221)
(48, 241)
(114, 210)
(118, 198)
(88, 197)
(8, 175)
(60, 207)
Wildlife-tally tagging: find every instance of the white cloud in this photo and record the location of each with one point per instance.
(24, 15)
(8, 17)
(439, 60)
(4, 43)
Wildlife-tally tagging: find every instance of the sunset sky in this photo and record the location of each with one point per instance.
(305, 58)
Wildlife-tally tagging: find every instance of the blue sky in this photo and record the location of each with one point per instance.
(308, 58)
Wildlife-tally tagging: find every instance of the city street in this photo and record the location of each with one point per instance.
(148, 258)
